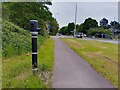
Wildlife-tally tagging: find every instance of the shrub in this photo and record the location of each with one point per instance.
(15, 40)
(94, 31)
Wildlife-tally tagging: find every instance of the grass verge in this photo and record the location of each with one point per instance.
(17, 72)
(102, 56)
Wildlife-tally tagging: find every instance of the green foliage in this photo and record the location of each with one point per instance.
(43, 67)
(21, 13)
(63, 30)
(84, 27)
(14, 40)
(5, 11)
(17, 72)
(10, 50)
(115, 24)
(67, 30)
(80, 28)
(94, 31)
(70, 28)
(54, 27)
(103, 22)
(19, 16)
(89, 23)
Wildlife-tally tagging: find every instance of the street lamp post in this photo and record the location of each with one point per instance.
(75, 19)
(114, 27)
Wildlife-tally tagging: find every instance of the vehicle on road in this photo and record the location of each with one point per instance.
(103, 36)
(79, 35)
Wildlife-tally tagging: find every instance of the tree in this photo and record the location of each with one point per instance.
(54, 27)
(70, 28)
(115, 25)
(21, 13)
(63, 30)
(80, 28)
(67, 30)
(90, 23)
(104, 23)
(94, 31)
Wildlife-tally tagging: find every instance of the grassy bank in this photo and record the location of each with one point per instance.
(14, 39)
(103, 57)
(17, 71)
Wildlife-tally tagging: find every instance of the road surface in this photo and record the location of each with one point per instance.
(71, 71)
(101, 40)
(104, 40)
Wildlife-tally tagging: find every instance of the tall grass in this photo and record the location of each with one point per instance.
(16, 61)
(17, 70)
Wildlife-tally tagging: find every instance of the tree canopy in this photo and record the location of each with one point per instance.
(103, 22)
(67, 30)
(70, 28)
(90, 23)
(94, 31)
(115, 24)
(21, 13)
(63, 30)
(54, 27)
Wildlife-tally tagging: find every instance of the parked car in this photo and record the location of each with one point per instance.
(103, 36)
(109, 37)
(79, 35)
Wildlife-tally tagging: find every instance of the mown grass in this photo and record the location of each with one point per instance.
(102, 56)
(17, 71)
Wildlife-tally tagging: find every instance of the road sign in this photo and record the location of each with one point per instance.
(49, 26)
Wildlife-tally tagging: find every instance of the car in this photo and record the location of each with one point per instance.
(79, 35)
(109, 37)
(58, 34)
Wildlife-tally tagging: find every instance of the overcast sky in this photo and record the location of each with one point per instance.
(64, 12)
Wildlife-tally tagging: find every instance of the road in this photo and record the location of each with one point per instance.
(101, 40)
(71, 71)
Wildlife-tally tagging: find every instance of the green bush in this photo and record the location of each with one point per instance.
(15, 40)
(94, 31)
